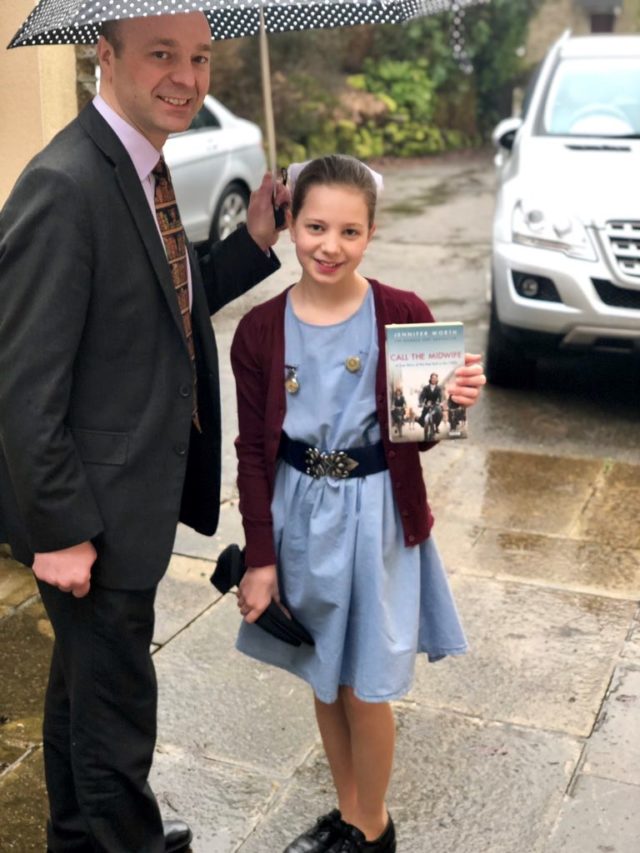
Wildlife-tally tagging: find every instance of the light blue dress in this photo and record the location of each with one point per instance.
(369, 602)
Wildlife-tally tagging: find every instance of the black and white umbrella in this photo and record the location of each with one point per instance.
(78, 22)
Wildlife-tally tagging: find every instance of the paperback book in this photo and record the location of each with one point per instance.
(421, 360)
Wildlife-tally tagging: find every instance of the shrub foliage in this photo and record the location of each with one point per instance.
(383, 91)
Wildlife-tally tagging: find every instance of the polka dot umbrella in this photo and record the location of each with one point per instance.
(78, 21)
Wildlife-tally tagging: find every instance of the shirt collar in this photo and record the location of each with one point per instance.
(144, 155)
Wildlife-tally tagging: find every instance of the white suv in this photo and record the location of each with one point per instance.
(566, 233)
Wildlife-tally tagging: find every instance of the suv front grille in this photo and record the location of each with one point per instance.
(618, 297)
(624, 241)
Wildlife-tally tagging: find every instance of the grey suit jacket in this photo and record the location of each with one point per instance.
(96, 439)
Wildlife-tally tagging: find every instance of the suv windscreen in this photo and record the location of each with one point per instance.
(593, 97)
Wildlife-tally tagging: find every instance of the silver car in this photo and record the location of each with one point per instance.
(566, 232)
(215, 165)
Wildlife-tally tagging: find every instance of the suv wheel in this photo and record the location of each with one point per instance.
(506, 365)
(230, 212)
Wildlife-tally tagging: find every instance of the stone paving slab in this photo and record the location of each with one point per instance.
(600, 816)
(223, 803)
(631, 650)
(192, 544)
(582, 566)
(540, 658)
(26, 639)
(17, 584)
(183, 594)
(308, 794)
(455, 540)
(519, 491)
(459, 785)
(185, 591)
(221, 704)
(24, 806)
(612, 514)
(613, 751)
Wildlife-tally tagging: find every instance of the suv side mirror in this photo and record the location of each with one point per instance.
(504, 133)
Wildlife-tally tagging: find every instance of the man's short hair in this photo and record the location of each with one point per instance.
(111, 31)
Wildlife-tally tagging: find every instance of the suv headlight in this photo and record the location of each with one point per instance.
(531, 225)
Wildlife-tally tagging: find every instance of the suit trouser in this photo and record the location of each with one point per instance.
(100, 723)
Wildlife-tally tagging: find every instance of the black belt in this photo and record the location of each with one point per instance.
(340, 464)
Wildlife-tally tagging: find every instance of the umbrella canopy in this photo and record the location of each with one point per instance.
(78, 21)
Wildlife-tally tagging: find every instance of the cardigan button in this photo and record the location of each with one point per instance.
(391, 454)
(411, 537)
(405, 513)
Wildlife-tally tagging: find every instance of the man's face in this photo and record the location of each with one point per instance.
(158, 77)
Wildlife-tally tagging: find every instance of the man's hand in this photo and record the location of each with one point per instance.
(257, 588)
(68, 569)
(468, 381)
(260, 222)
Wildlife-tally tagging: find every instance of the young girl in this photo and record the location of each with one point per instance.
(346, 548)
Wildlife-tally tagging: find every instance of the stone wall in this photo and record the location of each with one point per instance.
(556, 16)
(37, 94)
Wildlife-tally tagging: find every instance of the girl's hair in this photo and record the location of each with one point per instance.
(335, 169)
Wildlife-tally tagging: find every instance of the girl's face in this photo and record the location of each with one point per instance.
(331, 233)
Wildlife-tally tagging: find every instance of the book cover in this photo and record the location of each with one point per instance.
(421, 359)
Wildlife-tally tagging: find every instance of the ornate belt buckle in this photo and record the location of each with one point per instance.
(334, 463)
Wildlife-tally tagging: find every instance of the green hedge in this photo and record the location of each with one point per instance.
(417, 99)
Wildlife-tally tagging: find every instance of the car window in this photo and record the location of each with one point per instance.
(593, 97)
(204, 119)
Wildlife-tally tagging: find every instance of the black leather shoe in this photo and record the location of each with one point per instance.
(177, 836)
(385, 843)
(351, 840)
(327, 830)
(354, 841)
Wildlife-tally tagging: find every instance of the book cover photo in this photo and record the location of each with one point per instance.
(421, 359)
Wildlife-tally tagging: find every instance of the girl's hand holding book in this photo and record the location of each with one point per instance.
(468, 381)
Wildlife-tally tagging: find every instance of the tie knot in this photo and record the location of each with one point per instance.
(160, 170)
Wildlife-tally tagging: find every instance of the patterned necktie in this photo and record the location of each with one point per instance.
(176, 248)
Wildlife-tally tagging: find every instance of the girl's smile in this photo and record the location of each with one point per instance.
(326, 266)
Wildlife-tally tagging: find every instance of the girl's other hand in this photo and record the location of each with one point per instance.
(468, 381)
(257, 588)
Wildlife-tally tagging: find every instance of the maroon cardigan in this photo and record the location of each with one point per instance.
(257, 358)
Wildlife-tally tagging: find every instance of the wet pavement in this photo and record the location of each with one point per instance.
(529, 743)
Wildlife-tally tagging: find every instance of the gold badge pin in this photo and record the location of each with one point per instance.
(353, 363)
(291, 380)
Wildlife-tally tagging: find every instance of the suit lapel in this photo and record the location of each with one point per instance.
(136, 201)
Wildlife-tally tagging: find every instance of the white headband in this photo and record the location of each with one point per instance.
(295, 168)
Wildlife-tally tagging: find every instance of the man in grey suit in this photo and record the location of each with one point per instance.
(110, 414)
